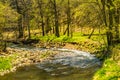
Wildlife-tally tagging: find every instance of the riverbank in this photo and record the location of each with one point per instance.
(93, 47)
(18, 58)
(15, 58)
(111, 66)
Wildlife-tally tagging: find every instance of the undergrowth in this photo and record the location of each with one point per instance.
(77, 37)
(111, 66)
(5, 63)
(109, 71)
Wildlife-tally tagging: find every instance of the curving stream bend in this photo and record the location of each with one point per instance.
(66, 65)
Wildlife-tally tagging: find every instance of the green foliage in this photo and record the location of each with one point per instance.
(7, 13)
(5, 63)
(77, 37)
(109, 71)
(46, 38)
(117, 3)
(7, 16)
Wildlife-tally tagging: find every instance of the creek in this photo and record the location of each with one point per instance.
(66, 65)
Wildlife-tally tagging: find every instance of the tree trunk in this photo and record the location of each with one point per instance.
(110, 26)
(117, 20)
(56, 20)
(28, 25)
(68, 19)
(41, 15)
(43, 29)
(91, 33)
(108, 22)
(20, 26)
(104, 12)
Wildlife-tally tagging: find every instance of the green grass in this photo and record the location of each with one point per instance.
(77, 37)
(5, 63)
(111, 66)
(110, 71)
(92, 45)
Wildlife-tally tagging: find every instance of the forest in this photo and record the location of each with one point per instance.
(34, 31)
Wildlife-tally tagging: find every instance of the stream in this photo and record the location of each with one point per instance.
(66, 65)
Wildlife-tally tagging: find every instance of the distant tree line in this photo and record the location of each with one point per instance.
(60, 17)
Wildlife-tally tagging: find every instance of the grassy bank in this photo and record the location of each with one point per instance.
(5, 63)
(77, 37)
(111, 67)
(79, 41)
(16, 58)
(109, 71)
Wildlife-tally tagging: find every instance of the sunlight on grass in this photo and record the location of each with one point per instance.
(110, 71)
(5, 63)
(77, 37)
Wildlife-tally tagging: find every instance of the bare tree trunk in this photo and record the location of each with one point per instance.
(28, 25)
(68, 19)
(48, 27)
(40, 3)
(56, 19)
(20, 26)
(20, 20)
(91, 33)
(110, 33)
(104, 11)
(117, 20)
(109, 25)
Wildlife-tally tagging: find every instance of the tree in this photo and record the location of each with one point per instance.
(8, 16)
(21, 17)
(117, 20)
(111, 20)
(40, 5)
(55, 11)
(68, 18)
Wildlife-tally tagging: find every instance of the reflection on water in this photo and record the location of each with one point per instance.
(35, 73)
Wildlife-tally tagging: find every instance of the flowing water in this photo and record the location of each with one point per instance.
(66, 65)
